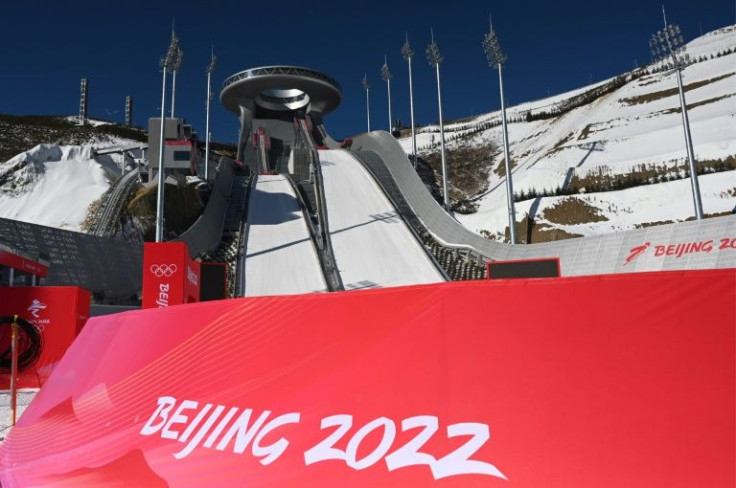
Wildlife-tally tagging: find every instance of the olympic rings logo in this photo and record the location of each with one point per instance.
(160, 270)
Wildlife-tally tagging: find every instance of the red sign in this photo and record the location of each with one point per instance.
(22, 263)
(58, 312)
(606, 381)
(169, 276)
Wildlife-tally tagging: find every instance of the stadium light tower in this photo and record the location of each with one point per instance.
(367, 88)
(166, 63)
(435, 60)
(408, 54)
(175, 67)
(386, 76)
(496, 58)
(210, 69)
(667, 47)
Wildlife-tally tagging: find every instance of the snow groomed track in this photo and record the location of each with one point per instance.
(372, 245)
(280, 256)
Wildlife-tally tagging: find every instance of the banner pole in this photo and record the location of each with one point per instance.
(13, 368)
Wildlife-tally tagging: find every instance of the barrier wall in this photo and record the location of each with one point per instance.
(206, 232)
(607, 381)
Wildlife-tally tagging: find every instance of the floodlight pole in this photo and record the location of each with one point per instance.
(496, 59)
(165, 63)
(668, 43)
(695, 187)
(386, 76)
(176, 62)
(435, 60)
(173, 92)
(506, 155)
(210, 69)
(408, 54)
(367, 88)
(160, 190)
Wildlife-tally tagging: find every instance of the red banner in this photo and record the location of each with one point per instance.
(169, 276)
(58, 312)
(612, 381)
(22, 263)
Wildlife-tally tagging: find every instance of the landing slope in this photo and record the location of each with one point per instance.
(280, 257)
(372, 245)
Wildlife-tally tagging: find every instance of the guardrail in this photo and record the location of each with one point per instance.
(331, 272)
(108, 215)
(280, 70)
(244, 228)
(314, 233)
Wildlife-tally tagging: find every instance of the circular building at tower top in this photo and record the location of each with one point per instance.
(280, 89)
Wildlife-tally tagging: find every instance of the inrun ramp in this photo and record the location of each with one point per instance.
(280, 257)
(373, 247)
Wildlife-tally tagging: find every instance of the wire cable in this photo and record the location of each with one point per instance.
(30, 343)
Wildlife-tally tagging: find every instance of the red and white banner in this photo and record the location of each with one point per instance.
(57, 312)
(169, 276)
(607, 381)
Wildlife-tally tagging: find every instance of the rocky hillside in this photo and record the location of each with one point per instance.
(19, 133)
(606, 157)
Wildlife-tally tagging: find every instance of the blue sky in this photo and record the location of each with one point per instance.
(552, 47)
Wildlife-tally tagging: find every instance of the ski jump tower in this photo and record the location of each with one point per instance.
(278, 92)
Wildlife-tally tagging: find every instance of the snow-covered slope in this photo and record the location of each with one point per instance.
(373, 246)
(626, 135)
(55, 185)
(280, 255)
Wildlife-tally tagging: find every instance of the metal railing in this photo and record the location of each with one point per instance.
(327, 267)
(280, 70)
(331, 271)
(242, 240)
(106, 218)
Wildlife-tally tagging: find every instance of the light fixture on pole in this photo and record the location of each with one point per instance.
(667, 47)
(408, 54)
(496, 59)
(175, 66)
(386, 76)
(367, 88)
(166, 62)
(435, 60)
(210, 69)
